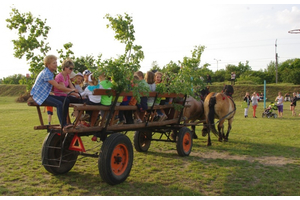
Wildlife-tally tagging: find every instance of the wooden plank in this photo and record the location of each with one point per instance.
(41, 127)
(151, 94)
(123, 127)
(93, 107)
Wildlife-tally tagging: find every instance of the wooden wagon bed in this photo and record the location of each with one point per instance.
(62, 146)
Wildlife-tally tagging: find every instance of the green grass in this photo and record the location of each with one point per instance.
(261, 158)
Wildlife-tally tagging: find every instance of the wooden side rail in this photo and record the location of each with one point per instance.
(105, 108)
(83, 107)
(151, 94)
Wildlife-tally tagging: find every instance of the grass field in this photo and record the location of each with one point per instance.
(261, 158)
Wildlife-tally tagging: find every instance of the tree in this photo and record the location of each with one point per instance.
(171, 67)
(31, 42)
(220, 76)
(122, 68)
(270, 73)
(189, 75)
(154, 66)
(288, 71)
(14, 79)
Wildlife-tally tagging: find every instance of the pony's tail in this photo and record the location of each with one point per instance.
(211, 115)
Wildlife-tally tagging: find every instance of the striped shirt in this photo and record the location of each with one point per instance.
(42, 88)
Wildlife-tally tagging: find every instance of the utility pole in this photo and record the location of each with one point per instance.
(276, 60)
(217, 63)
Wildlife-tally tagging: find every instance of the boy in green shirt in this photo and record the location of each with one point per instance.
(105, 84)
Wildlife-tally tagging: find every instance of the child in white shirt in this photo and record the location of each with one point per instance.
(91, 98)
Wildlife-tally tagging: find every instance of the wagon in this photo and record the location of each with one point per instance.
(62, 146)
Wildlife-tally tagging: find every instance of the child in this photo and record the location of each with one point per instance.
(49, 110)
(133, 102)
(91, 99)
(149, 78)
(248, 100)
(105, 84)
(78, 82)
(142, 106)
(254, 100)
(161, 113)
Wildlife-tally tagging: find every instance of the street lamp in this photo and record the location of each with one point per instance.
(217, 63)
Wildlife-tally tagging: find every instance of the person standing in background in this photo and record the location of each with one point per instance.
(280, 101)
(248, 100)
(208, 79)
(254, 100)
(49, 110)
(293, 103)
(232, 78)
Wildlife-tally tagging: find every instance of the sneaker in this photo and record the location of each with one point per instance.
(164, 117)
(138, 121)
(120, 122)
(68, 126)
(156, 118)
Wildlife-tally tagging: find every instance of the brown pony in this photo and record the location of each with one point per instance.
(192, 113)
(220, 106)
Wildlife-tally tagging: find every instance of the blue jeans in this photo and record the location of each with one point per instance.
(62, 112)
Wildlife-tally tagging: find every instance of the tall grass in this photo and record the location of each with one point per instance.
(261, 158)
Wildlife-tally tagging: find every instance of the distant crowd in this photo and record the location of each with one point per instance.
(278, 105)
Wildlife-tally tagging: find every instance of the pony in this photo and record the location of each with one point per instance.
(193, 113)
(220, 106)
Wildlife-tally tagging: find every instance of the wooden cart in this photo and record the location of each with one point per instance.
(62, 146)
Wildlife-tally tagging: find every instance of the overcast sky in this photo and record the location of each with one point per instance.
(167, 30)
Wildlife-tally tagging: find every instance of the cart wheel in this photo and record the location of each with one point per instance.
(184, 142)
(269, 116)
(115, 159)
(51, 152)
(263, 115)
(142, 140)
(275, 115)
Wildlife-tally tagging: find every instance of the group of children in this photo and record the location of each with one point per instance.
(85, 83)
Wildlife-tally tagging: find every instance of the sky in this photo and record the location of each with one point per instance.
(232, 32)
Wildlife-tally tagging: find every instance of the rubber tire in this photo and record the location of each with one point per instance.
(263, 115)
(53, 139)
(275, 115)
(142, 140)
(184, 142)
(109, 163)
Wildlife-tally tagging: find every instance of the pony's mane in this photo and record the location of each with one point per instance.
(228, 90)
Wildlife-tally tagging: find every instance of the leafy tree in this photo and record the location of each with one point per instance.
(171, 67)
(242, 68)
(288, 71)
(154, 66)
(220, 75)
(121, 69)
(31, 42)
(204, 71)
(14, 79)
(83, 63)
(189, 76)
(270, 73)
